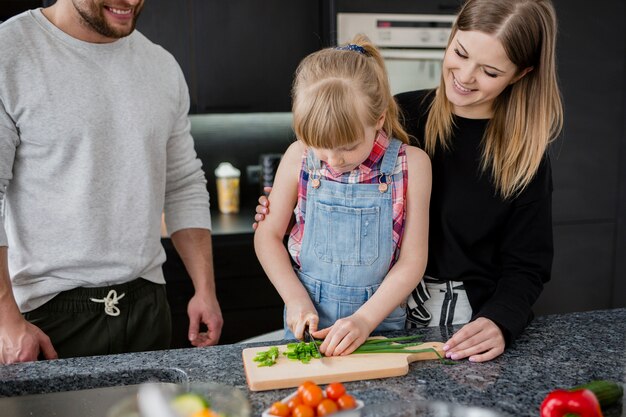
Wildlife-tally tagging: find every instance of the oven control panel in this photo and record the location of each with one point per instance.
(397, 30)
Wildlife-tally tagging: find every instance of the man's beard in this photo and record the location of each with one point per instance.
(94, 18)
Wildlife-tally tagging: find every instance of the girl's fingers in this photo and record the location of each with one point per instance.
(336, 337)
(298, 331)
(344, 344)
(352, 346)
(313, 321)
(321, 334)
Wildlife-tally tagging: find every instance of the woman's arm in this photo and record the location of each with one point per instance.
(526, 253)
(269, 247)
(349, 333)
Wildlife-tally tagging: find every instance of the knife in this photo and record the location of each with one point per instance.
(309, 338)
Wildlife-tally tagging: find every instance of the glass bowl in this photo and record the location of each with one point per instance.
(223, 399)
(420, 409)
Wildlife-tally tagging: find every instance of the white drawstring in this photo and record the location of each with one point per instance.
(109, 303)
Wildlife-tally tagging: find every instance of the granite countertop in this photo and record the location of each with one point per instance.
(554, 351)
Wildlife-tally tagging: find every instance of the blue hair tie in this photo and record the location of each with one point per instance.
(353, 47)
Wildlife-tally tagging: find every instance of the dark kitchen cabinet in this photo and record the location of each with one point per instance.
(237, 56)
(589, 161)
(9, 8)
(250, 304)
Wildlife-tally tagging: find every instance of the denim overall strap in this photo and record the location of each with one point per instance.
(390, 157)
(312, 163)
(347, 243)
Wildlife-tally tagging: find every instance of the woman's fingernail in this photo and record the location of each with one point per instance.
(446, 347)
(454, 356)
(472, 359)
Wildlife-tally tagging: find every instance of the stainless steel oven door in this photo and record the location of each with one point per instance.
(413, 69)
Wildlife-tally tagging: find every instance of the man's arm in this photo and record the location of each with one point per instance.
(20, 341)
(195, 249)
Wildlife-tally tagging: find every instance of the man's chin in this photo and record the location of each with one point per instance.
(117, 32)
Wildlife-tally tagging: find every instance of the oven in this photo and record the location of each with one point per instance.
(412, 45)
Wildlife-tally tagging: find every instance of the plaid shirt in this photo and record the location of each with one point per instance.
(366, 173)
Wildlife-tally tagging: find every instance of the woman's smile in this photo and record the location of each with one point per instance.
(459, 87)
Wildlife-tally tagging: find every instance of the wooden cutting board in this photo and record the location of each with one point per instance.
(287, 373)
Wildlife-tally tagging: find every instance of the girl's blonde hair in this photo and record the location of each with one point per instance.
(336, 91)
(528, 114)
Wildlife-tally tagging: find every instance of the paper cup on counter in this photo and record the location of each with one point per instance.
(227, 177)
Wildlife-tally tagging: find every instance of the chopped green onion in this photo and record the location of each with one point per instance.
(302, 351)
(267, 357)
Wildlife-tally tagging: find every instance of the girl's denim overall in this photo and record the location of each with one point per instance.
(347, 245)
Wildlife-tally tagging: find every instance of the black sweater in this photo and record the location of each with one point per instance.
(500, 249)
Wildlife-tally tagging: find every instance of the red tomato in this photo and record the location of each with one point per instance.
(303, 410)
(326, 407)
(302, 386)
(335, 390)
(312, 395)
(280, 409)
(293, 402)
(346, 402)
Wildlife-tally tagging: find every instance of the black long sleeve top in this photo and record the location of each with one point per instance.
(500, 249)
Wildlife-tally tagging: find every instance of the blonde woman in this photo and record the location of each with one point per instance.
(487, 128)
(361, 200)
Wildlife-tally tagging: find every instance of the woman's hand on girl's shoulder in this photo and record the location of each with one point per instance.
(288, 171)
(262, 208)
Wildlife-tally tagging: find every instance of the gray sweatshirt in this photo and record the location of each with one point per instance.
(94, 144)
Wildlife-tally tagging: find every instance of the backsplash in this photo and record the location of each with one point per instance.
(240, 139)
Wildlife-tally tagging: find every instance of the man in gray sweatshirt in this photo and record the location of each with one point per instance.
(94, 145)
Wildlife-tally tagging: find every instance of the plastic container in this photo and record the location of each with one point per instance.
(227, 177)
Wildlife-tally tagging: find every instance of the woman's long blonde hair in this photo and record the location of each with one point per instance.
(336, 91)
(528, 114)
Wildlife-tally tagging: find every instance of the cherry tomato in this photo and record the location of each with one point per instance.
(302, 386)
(335, 390)
(203, 413)
(326, 407)
(312, 395)
(293, 402)
(280, 409)
(303, 410)
(346, 402)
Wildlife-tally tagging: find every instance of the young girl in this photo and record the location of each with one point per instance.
(361, 199)
(487, 128)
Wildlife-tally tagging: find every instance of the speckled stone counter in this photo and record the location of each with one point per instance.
(554, 351)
